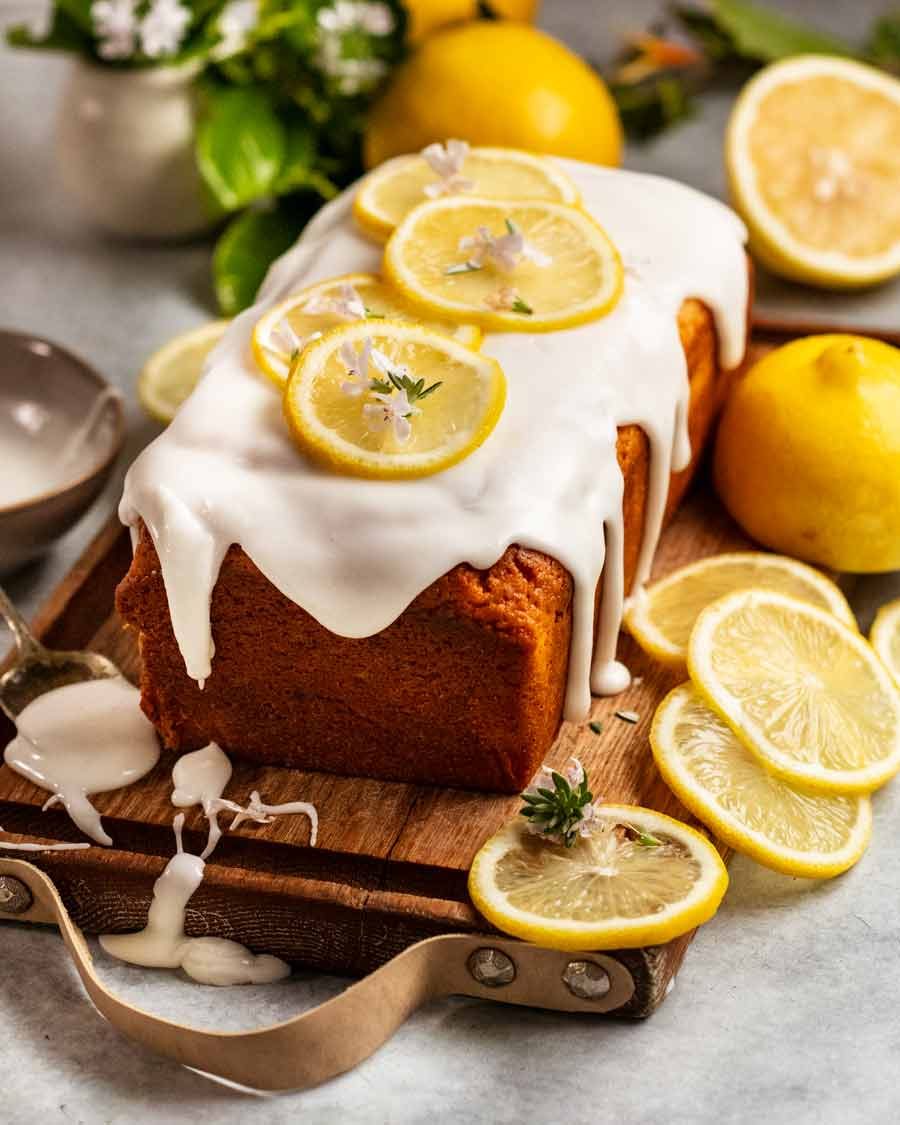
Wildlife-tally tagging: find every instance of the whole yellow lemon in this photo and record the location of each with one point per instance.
(496, 83)
(426, 16)
(807, 457)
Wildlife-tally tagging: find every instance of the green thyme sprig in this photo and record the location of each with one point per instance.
(400, 381)
(558, 813)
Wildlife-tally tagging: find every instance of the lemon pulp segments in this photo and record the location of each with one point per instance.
(390, 192)
(661, 617)
(580, 278)
(885, 637)
(172, 372)
(605, 892)
(331, 425)
(288, 325)
(806, 694)
(713, 774)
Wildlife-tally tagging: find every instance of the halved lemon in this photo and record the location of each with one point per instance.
(288, 326)
(457, 257)
(660, 618)
(608, 891)
(346, 408)
(713, 774)
(172, 372)
(806, 694)
(813, 157)
(391, 191)
(885, 637)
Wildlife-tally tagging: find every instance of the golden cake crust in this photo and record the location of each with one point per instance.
(465, 688)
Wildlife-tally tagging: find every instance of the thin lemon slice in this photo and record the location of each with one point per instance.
(172, 372)
(456, 257)
(661, 617)
(813, 156)
(389, 193)
(354, 419)
(288, 326)
(608, 891)
(713, 774)
(885, 637)
(806, 694)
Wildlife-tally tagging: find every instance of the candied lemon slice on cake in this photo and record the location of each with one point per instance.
(512, 266)
(385, 398)
(661, 617)
(885, 637)
(389, 193)
(813, 156)
(172, 372)
(641, 878)
(806, 694)
(289, 326)
(713, 774)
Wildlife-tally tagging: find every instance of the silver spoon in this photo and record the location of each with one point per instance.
(37, 669)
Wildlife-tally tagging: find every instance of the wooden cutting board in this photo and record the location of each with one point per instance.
(391, 862)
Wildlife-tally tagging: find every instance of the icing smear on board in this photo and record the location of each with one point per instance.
(353, 552)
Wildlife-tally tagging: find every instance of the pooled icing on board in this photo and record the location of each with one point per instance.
(353, 552)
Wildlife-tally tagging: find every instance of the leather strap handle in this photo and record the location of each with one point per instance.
(336, 1036)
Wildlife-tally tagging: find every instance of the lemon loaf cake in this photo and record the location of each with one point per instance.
(433, 629)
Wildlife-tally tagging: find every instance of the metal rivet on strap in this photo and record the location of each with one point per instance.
(15, 897)
(586, 979)
(492, 967)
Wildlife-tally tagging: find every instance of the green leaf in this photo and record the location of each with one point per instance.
(79, 11)
(764, 34)
(883, 46)
(240, 145)
(247, 248)
(299, 168)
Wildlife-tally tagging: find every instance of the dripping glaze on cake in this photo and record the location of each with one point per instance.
(353, 552)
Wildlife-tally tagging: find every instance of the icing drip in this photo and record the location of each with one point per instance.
(9, 846)
(163, 944)
(354, 553)
(83, 739)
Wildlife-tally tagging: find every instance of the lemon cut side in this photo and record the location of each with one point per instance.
(660, 618)
(714, 775)
(334, 414)
(608, 891)
(569, 273)
(806, 694)
(885, 637)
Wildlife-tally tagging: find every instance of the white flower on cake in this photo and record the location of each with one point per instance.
(237, 20)
(358, 379)
(337, 26)
(163, 28)
(446, 162)
(115, 24)
(391, 412)
(348, 305)
(506, 252)
(286, 340)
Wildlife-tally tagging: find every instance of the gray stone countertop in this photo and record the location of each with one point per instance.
(786, 1009)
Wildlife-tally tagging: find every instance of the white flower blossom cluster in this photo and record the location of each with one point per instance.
(336, 26)
(574, 774)
(390, 410)
(505, 252)
(235, 24)
(446, 161)
(121, 31)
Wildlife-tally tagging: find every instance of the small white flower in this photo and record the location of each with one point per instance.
(237, 20)
(391, 411)
(335, 25)
(115, 24)
(357, 15)
(286, 339)
(446, 162)
(357, 364)
(163, 28)
(348, 305)
(506, 252)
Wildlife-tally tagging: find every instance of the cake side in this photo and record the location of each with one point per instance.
(465, 688)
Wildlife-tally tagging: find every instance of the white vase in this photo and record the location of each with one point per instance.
(125, 148)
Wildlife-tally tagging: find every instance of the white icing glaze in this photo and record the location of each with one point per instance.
(83, 739)
(354, 553)
(163, 944)
(9, 846)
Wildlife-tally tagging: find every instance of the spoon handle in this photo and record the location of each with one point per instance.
(26, 643)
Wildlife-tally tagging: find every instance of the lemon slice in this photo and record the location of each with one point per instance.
(607, 891)
(885, 637)
(661, 617)
(522, 267)
(385, 398)
(813, 156)
(801, 690)
(290, 325)
(172, 372)
(389, 193)
(711, 772)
